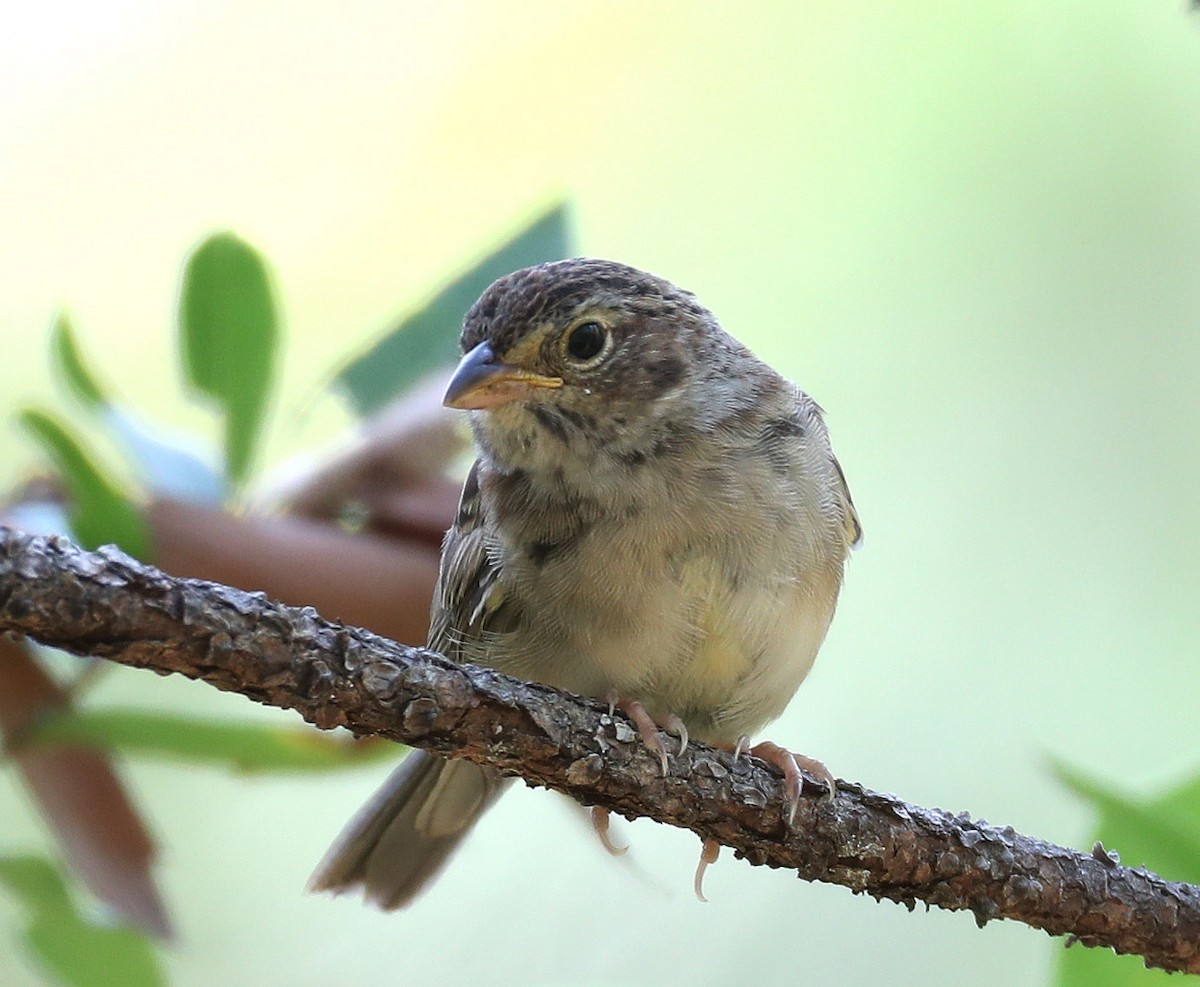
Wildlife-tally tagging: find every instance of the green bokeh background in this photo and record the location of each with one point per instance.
(972, 231)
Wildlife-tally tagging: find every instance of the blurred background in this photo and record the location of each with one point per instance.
(971, 231)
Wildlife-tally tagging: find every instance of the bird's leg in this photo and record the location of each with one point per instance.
(791, 765)
(599, 816)
(648, 726)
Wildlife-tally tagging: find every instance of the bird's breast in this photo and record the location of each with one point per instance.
(694, 608)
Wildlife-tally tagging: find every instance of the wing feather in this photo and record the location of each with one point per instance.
(468, 601)
(850, 521)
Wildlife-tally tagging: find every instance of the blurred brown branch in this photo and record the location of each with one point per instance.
(80, 796)
(108, 605)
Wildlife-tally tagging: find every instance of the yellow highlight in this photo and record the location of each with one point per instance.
(718, 660)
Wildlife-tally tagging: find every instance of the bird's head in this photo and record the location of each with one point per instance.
(578, 356)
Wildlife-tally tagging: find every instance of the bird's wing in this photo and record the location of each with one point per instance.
(850, 522)
(851, 526)
(469, 599)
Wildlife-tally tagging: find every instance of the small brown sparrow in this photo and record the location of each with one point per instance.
(655, 515)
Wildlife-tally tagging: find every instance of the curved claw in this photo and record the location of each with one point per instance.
(613, 700)
(709, 852)
(675, 725)
(791, 764)
(647, 730)
(600, 824)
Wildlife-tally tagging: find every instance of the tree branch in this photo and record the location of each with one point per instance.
(107, 604)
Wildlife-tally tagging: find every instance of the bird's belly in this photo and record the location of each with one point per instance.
(724, 655)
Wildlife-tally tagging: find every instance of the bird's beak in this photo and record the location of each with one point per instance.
(482, 381)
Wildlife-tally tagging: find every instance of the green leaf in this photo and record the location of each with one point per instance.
(428, 338)
(68, 361)
(79, 952)
(1163, 835)
(1083, 967)
(169, 467)
(36, 882)
(228, 338)
(100, 513)
(86, 955)
(246, 747)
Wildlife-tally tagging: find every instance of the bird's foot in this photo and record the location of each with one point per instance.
(648, 730)
(648, 727)
(793, 767)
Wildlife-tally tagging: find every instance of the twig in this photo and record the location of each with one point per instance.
(107, 604)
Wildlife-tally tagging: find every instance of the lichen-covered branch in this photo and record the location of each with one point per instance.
(106, 604)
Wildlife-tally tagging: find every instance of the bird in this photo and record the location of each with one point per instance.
(655, 518)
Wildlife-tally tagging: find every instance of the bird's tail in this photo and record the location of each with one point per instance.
(404, 834)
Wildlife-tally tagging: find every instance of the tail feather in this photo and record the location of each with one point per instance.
(408, 829)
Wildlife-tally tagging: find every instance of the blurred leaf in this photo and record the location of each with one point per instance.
(36, 882)
(99, 512)
(1083, 967)
(87, 955)
(68, 361)
(167, 467)
(77, 951)
(428, 338)
(1163, 835)
(228, 339)
(247, 747)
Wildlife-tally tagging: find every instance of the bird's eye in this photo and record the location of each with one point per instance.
(586, 340)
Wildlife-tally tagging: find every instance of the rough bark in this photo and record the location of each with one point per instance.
(107, 604)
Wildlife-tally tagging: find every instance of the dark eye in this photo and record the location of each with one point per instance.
(586, 340)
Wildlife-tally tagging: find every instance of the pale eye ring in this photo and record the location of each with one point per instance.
(586, 341)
